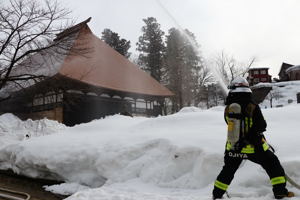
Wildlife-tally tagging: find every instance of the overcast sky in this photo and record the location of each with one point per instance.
(266, 29)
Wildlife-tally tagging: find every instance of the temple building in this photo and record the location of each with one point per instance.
(80, 88)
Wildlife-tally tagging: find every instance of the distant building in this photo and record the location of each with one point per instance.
(293, 73)
(258, 75)
(80, 88)
(283, 76)
(289, 72)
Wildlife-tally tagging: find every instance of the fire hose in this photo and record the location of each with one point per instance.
(292, 182)
(13, 195)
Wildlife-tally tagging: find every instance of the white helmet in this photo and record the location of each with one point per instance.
(239, 84)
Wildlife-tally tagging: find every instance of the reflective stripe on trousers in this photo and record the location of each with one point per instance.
(221, 185)
(278, 180)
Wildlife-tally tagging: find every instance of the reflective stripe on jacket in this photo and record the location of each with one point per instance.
(248, 148)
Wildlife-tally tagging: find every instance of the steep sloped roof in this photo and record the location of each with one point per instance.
(283, 68)
(104, 67)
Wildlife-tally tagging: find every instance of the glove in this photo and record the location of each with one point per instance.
(258, 142)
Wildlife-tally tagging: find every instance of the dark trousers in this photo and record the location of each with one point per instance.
(267, 159)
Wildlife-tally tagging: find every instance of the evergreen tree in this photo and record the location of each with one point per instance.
(151, 48)
(173, 62)
(184, 68)
(113, 39)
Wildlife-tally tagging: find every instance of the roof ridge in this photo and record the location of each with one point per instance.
(72, 29)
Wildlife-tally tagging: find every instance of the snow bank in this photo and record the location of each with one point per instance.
(66, 188)
(121, 148)
(189, 109)
(168, 157)
(282, 93)
(12, 129)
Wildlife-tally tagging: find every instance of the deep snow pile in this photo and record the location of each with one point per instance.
(168, 157)
(12, 129)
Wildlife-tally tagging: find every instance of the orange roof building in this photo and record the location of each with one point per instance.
(84, 86)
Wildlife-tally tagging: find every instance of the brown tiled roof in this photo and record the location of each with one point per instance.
(104, 67)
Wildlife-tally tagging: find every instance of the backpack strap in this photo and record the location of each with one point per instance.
(236, 116)
(248, 118)
(249, 110)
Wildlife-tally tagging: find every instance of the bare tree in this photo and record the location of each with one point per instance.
(205, 75)
(229, 68)
(27, 28)
(274, 94)
(204, 78)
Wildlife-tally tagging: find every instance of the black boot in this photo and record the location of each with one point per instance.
(281, 196)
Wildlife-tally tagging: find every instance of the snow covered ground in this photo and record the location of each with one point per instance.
(175, 157)
(282, 93)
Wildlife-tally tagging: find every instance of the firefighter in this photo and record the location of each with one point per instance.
(251, 143)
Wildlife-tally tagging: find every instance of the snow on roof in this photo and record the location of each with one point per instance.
(254, 68)
(261, 85)
(294, 68)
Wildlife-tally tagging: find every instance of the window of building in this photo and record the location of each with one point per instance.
(38, 100)
(263, 72)
(116, 97)
(92, 94)
(255, 72)
(128, 99)
(59, 97)
(256, 80)
(74, 92)
(105, 95)
(264, 79)
(141, 103)
(50, 97)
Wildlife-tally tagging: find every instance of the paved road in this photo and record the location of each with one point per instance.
(34, 187)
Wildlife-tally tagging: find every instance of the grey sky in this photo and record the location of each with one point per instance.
(266, 29)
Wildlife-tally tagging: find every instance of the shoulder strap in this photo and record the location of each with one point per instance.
(250, 109)
(226, 109)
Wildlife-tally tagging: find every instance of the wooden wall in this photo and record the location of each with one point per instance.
(54, 114)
